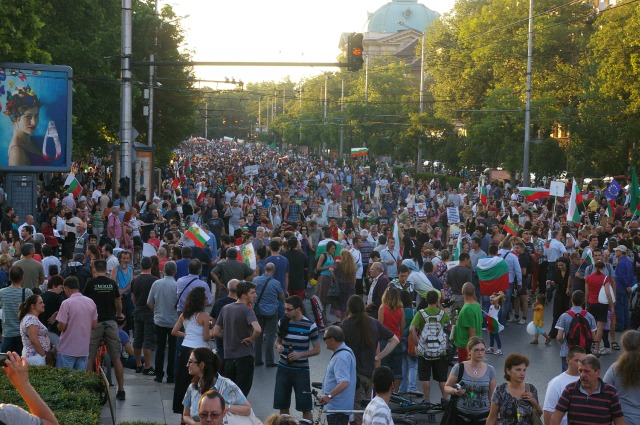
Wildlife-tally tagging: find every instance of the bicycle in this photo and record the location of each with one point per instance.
(102, 367)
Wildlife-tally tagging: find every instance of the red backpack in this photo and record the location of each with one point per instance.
(579, 332)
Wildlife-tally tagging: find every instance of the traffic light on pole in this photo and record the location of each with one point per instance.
(355, 51)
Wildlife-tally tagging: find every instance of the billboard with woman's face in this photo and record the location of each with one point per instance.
(35, 117)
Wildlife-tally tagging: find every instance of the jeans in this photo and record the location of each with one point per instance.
(240, 371)
(623, 314)
(563, 363)
(12, 343)
(72, 362)
(269, 326)
(409, 373)
(162, 334)
(485, 307)
(496, 338)
(506, 307)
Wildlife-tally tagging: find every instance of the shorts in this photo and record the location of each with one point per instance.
(439, 367)
(144, 331)
(539, 330)
(524, 289)
(295, 379)
(394, 360)
(109, 331)
(600, 312)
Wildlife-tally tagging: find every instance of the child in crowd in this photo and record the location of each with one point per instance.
(496, 300)
(538, 319)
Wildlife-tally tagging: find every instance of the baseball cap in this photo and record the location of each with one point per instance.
(621, 248)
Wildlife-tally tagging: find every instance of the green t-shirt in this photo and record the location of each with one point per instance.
(470, 317)
(418, 320)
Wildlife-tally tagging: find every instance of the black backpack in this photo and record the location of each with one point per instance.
(579, 332)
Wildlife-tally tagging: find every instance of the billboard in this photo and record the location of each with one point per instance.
(35, 117)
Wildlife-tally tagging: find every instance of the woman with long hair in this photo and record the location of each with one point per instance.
(197, 331)
(127, 232)
(47, 231)
(35, 335)
(391, 315)
(325, 266)
(345, 274)
(204, 367)
(515, 401)
(598, 310)
(625, 376)
(477, 385)
(562, 298)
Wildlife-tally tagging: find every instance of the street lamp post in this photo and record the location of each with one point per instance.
(527, 109)
(423, 39)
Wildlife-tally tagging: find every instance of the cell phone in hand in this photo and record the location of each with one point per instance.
(3, 357)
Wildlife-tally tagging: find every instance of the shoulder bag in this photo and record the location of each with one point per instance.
(451, 410)
(255, 305)
(182, 292)
(602, 295)
(535, 419)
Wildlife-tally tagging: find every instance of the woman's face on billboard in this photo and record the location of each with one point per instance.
(29, 121)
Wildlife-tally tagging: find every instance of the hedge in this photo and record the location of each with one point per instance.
(72, 395)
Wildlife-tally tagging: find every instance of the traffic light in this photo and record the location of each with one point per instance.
(124, 186)
(355, 51)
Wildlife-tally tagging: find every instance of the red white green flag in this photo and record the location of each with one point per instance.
(634, 193)
(359, 152)
(483, 193)
(573, 213)
(74, 185)
(534, 193)
(201, 191)
(197, 235)
(510, 227)
(610, 208)
(493, 326)
(493, 274)
(458, 249)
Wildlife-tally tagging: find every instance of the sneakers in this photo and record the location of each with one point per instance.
(120, 395)
(149, 372)
(605, 351)
(498, 352)
(513, 320)
(522, 322)
(139, 369)
(489, 350)
(158, 378)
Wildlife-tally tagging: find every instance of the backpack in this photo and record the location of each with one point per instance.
(579, 332)
(433, 340)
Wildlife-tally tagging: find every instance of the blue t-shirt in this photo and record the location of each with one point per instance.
(282, 268)
(268, 304)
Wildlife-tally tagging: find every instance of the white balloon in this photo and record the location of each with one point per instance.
(531, 328)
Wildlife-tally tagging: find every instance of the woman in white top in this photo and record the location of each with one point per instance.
(197, 331)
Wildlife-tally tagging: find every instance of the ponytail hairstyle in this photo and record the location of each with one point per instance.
(25, 306)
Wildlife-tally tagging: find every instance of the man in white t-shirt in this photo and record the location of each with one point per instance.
(558, 384)
(377, 411)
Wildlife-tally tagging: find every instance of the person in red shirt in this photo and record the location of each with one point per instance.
(599, 311)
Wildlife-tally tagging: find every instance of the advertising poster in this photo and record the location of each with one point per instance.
(35, 117)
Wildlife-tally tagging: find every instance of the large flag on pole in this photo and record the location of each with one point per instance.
(534, 193)
(359, 152)
(483, 192)
(634, 192)
(396, 235)
(613, 190)
(510, 227)
(458, 250)
(197, 235)
(573, 214)
(493, 274)
(74, 185)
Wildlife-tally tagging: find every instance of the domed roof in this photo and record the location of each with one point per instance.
(413, 14)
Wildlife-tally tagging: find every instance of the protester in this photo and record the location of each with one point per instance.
(624, 375)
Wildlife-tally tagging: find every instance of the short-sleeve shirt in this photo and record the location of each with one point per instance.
(601, 407)
(31, 320)
(141, 286)
(163, 296)
(268, 304)
(476, 399)
(300, 333)
(377, 413)
(554, 391)
(231, 393)
(513, 410)
(236, 319)
(10, 414)
(77, 312)
(565, 321)
(470, 317)
(33, 272)
(418, 320)
(365, 356)
(104, 293)
(341, 368)
(282, 268)
(10, 300)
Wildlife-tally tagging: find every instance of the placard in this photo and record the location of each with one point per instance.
(251, 170)
(556, 189)
(453, 215)
(421, 209)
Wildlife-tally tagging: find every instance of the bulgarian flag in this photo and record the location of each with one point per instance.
(587, 255)
(634, 194)
(493, 326)
(187, 165)
(358, 152)
(175, 183)
(573, 214)
(201, 191)
(458, 250)
(534, 193)
(610, 208)
(493, 274)
(510, 227)
(197, 235)
(483, 193)
(74, 185)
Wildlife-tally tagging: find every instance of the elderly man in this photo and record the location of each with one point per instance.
(28, 223)
(212, 408)
(339, 384)
(379, 284)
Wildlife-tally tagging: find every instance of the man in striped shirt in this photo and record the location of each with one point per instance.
(589, 400)
(295, 334)
(377, 411)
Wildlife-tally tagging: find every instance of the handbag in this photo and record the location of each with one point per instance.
(411, 347)
(334, 290)
(451, 409)
(233, 419)
(535, 419)
(602, 295)
(50, 356)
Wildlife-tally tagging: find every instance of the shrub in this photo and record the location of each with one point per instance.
(72, 395)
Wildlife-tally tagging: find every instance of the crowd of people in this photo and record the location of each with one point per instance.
(376, 249)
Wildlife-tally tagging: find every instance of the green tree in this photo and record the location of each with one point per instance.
(20, 29)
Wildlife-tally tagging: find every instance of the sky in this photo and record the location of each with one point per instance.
(274, 31)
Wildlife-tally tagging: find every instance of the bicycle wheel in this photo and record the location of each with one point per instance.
(423, 408)
(403, 420)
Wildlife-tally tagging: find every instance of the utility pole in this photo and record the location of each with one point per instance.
(341, 121)
(326, 102)
(424, 38)
(300, 114)
(527, 108)
(152, 83)
(126, 125)
(206, 120)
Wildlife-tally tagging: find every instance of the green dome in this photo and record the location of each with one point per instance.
(413, 14)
